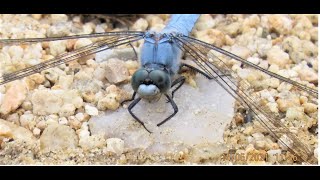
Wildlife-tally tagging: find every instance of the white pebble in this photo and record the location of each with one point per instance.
(295, 113)
(41, 125)
(115, 145)
(82, 42)
(56, 18)
(14, 118)
(140, 25)
(260, 144)
(274, 68)
(205, 21)
(84, 131)
(273, 106)
(80, 117)
(277, 56)
(88, 28)
(57, 47)
(65, 82)
(67, 110)
(92, 111)
(36, 131)
(16, 52)
(258, 136)
(274, 155)
(100, 28)
(25, 119)
(59, 30)
(63, 120)
(254, 60)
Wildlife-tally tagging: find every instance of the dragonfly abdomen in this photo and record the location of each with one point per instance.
(182, 23)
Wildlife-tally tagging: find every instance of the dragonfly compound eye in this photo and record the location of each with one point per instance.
(161, 79)
(138, 78)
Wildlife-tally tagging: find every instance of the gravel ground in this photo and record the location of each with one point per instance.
(45, 117)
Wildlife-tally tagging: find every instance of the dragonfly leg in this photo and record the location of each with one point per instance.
(135, 102)
(181, 81)
(175, 108)
(132, 98)
(135, 52)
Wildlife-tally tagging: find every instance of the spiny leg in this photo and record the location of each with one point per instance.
(135, 52)
(180, 80)
(175, 108)
(132, 98)
(135, 102)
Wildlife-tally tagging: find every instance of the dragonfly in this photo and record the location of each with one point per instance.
(159, 73)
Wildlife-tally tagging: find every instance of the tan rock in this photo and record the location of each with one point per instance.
(280, 23)
(284, 104)
(308, 75)
(310, 107)
(14, 118)
(47, 102)
(115, 145)
(211, 36)
(14, 97)
(65, 81)
(67, 110)
(277, 56)
(109, 102)
(58, 137)
(56, 18)
(16, 132)
(140, 25)
(57, 47)
(116, 71)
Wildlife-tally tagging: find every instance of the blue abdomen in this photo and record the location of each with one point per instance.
(182, 23)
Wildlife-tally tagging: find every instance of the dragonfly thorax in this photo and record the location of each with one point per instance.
(150, 82)
(159, 48)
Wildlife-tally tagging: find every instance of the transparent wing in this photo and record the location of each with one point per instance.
(110, 40)
(93, 35)
(213, 61)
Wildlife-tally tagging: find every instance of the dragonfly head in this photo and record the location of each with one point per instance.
(150, 83)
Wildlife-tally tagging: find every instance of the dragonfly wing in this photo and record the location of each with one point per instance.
(213, 61)
(111, 40)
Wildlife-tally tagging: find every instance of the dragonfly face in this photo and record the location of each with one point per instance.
(150, 83)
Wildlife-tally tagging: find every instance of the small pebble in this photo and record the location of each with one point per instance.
(92, 111)
(115, 145)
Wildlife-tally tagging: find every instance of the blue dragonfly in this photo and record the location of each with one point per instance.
(160, 65)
